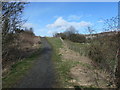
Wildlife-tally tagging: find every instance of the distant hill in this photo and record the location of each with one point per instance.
(110, 33)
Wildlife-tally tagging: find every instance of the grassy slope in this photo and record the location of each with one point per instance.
(81, 48)
(19, 70)
(62, 67)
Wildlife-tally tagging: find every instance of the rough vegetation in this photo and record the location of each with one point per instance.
(19, 70)
(17, 42)
(102, 48)
(75, 70)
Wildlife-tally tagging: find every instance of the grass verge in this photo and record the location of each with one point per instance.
(62, 66)
(19, 70)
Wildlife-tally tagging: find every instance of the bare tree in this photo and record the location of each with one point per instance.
(112, 25)
(11, 21)
(70, 30)
(11, 16)
(90, 30)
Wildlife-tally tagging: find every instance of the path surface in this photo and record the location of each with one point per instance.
(42, 74)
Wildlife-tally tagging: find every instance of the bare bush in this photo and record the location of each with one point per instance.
(16, 42)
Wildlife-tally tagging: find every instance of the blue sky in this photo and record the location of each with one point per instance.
(47, 18)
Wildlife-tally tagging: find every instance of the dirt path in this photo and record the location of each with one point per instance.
(84, 74)
(42, 74)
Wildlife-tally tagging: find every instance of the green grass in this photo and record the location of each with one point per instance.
(62, 67)
(81, 48)
(19, 70)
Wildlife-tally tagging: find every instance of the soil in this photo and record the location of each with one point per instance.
(86, 74)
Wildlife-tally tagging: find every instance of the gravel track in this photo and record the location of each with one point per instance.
(42, 74)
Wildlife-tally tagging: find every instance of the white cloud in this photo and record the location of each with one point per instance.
(61, 25)
(50, 32)
(100, 21)
(60, 22)
(74, 17)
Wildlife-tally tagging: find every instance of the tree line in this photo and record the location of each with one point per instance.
(71, 34)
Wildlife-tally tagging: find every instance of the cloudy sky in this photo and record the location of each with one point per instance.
(47, 18)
